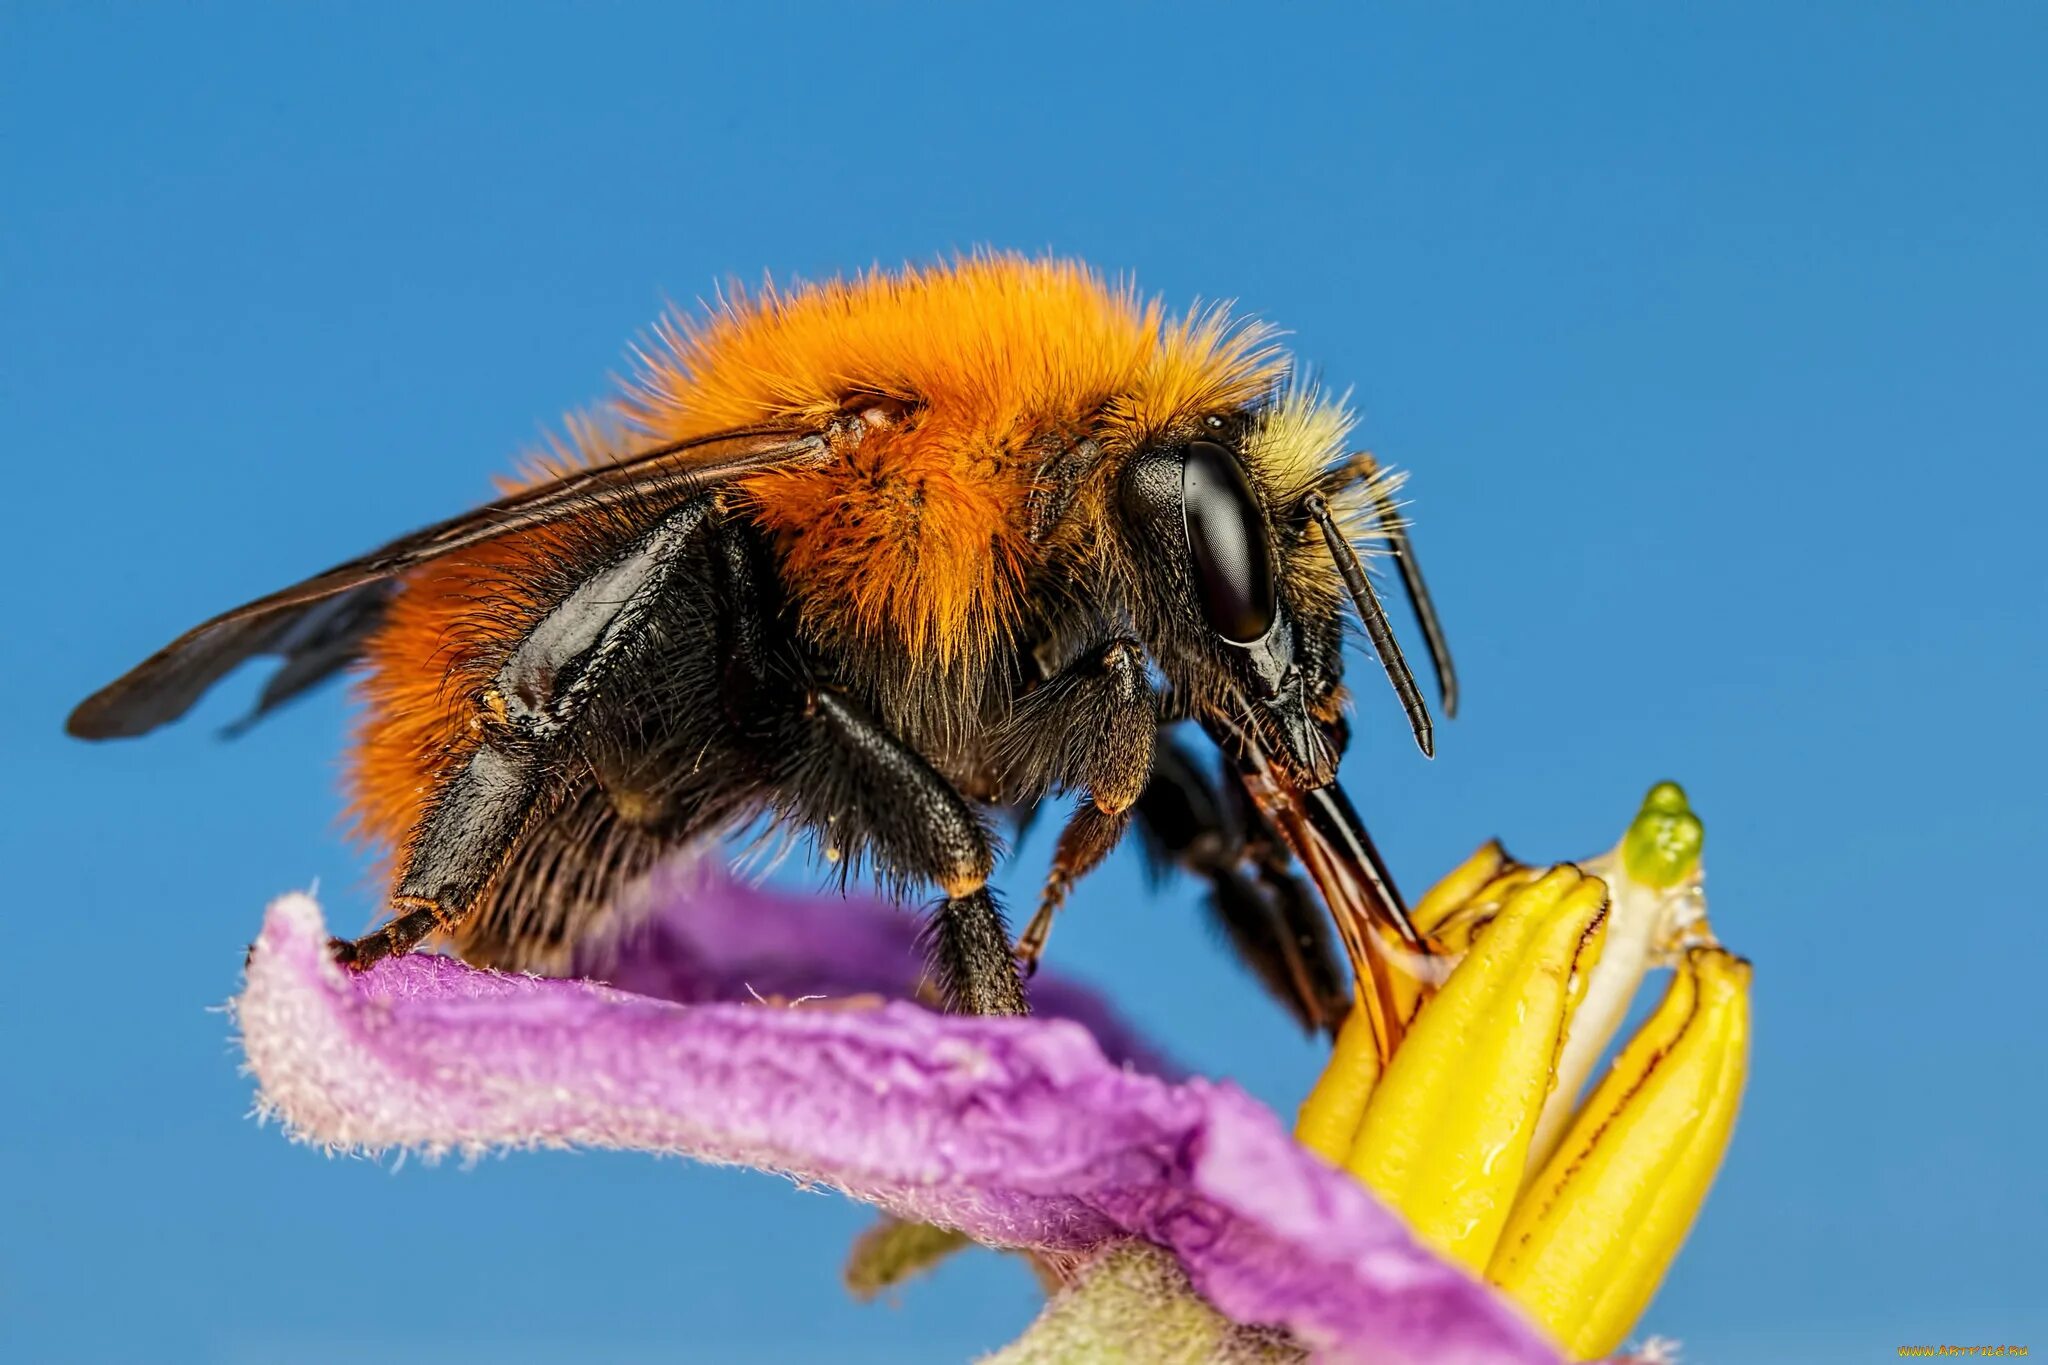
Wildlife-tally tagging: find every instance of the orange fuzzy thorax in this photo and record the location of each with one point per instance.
(917, 543)
(919, 540)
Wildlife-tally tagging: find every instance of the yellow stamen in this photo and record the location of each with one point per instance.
(1446, 1132)
(1454, 891)
(1459, 926)
(1329, 1119)
(1470, 1129)
(1591, 1239)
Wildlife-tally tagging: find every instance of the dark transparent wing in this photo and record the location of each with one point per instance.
(318, 641)
(317, 625)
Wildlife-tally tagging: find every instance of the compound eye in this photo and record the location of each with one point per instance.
(1233, 560)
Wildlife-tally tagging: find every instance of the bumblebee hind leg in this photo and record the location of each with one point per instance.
(836, 770)
(529, 718)
(630, 674)
(390, 939)
(473, 823)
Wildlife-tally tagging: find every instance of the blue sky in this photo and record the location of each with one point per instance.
(1714, 341)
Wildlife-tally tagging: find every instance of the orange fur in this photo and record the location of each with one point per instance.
(420, 672)
(916, 543)
(921, 537)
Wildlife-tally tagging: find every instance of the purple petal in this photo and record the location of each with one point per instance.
(1018, 1132)
(702, 935)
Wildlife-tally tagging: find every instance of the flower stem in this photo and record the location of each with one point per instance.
(1134, 1306)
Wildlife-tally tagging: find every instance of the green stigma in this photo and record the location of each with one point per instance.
(1662, 846)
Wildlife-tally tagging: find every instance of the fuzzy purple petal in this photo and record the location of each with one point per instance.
(1018, 1132)
(700, 934)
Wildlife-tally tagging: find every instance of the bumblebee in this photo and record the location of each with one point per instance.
(874, 561)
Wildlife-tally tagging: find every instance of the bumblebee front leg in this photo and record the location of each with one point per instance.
(527, 714)
(1099, 718)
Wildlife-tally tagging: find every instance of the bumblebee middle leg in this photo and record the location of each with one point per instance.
(834, 769)
(869, 797)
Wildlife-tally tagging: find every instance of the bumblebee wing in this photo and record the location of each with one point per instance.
(315, 641)
(318, 625)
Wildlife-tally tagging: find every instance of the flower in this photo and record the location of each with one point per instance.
(700, 936)
(1471, 1128)
(1019, 1132)
(1178, 1195)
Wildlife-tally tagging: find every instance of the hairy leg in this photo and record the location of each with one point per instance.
(1270, 917)
(835, 769)
(1092, 725)
(527, 719)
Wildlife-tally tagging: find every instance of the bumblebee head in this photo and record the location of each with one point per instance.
(1239, 528)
